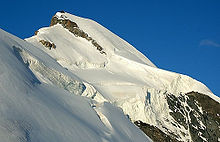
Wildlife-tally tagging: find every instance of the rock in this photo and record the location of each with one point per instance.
(177, 109)
(154, 133)
(73, 28)
(196, 112)
(36, 32)
(201, 116)
(209, 117)
(62, 11)
(66, 23)
(48, 44)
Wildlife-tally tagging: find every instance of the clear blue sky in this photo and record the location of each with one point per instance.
(176, 35)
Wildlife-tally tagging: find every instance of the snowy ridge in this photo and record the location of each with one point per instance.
(119, 53)
(123, 76)
(32, 110)
(91, 81)
(111, 42)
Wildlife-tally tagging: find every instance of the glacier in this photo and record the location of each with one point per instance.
(91, 86)
(32, 110)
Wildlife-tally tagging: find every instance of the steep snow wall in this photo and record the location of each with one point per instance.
(33, 110)
(122, 76)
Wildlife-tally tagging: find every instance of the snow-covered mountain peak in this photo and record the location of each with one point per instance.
(103, 59)
(86, 47)
(40, 101)
(104, 40)
(81, 57)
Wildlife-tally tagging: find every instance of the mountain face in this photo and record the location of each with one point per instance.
(56, 111)
(196, 112)
(77, 81)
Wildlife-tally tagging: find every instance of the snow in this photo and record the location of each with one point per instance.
(111, 42)
(123, 77)
(200, 135)
(35, 110)
(75, 92)
(81, 58)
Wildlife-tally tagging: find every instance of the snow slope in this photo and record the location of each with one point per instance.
(123, 76)
(123, 65)
(34, 111)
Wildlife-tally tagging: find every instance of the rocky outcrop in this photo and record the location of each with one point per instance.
(66, 23)
(207, 111)
(48, 44)
(36, 32)
(154, 133)
(178, 111)
(73, 28)
(198, 113)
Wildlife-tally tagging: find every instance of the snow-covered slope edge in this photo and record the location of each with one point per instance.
(118, 72)
(76, 36)
(32, 111)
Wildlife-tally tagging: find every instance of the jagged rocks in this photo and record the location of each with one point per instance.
(48, 44)
(195, 112)
(210, 117)
(198, 113)
(154, 133)
(36, 32)
(66, 23)
(97, 45)
(178, 111)
(73, 28)
(62, 11)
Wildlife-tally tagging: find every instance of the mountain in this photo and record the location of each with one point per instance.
(77, 81)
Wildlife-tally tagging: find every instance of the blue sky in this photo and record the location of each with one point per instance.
(176, 35)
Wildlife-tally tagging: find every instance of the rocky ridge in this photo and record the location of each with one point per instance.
(196, 112)
(73, 28)
(189, 117)
(48, 44)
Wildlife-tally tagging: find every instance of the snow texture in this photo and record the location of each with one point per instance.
(75, 92)
(123, 77)
(34, 111)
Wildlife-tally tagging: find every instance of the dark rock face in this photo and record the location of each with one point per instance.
(66, 23)
(62, 11)
(196, 112)
(154, 133)
(36, 32)
(73, 28)
(178, 111)
(48, 44)
(210, 117)
(200, 116)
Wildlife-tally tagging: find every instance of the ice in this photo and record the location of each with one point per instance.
(123, 77)
(33, 110)
(75, 92)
